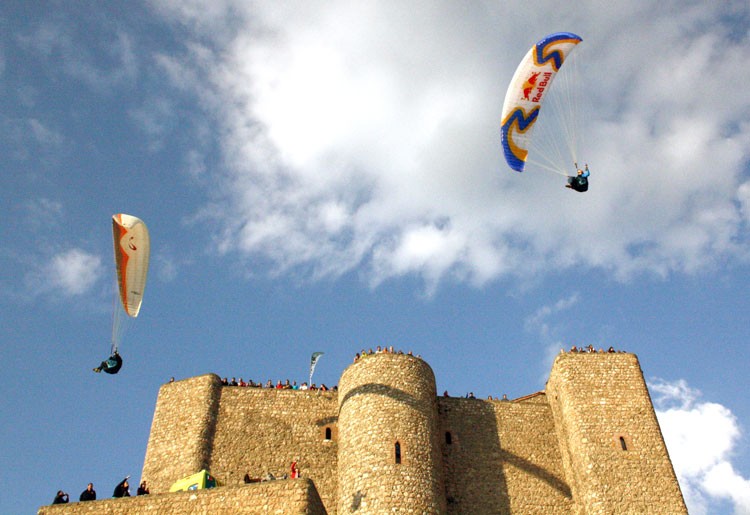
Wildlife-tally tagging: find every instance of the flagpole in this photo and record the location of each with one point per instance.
(313, 361)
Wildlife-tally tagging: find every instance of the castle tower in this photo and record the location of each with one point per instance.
(182, 430)
(389, 452)
(612, 447)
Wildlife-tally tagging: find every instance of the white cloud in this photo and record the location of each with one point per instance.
(538, 321)
(39, 211)
(195, 165)
(155, 118)
(743, 196)
(75, 271)
(428, 249)
(550, 323)
(701, 438)
(101, 61)
(167, 267)
(43, 135)
(360, 134)
(724, 482)
(69, 273)
(54, 271)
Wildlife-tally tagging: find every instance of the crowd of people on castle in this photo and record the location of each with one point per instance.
(382, 350)
(123, 487)
(471, 395)
(89, 494)
(292, 385)
(286, 385)
(590, 348)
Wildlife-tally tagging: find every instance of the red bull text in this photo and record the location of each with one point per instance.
(533, 83)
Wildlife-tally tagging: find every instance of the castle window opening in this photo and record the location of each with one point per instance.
(448, 438)
(328, 433)
(622, 442)
(398, 453)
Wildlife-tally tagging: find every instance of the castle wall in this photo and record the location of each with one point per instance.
(590, 444)
(388, 402)
(292, 497)
(503, 457)
(263, 430)
(182, 431)
(613, 451)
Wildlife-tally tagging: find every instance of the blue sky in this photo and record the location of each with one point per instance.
(327, 176)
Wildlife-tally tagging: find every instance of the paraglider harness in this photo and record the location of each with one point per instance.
(580, 181)
(112, 365)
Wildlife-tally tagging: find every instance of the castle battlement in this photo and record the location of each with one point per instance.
(385, 442)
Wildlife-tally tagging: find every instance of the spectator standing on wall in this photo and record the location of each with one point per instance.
(122, 489)
(89, 494)
(295, 470)
(143, 489)
(61, 498)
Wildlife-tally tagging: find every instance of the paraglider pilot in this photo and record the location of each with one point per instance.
(580, 181)
(111, 365)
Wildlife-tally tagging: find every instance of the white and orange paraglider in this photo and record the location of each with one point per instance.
(132, 248)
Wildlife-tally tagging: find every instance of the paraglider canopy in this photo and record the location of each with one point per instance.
(132, 248)
(527, 92)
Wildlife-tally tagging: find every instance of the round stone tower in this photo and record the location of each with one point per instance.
(389, 454)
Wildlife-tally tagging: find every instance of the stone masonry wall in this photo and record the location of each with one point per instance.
(261, 430)
(182, 431)
(385, 400)
(614, 453)
(289, 497)
(589, 444)
(503, 457)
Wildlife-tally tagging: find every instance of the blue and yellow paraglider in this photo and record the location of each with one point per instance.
(527, 92)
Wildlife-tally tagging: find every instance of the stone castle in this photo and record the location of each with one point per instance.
(385, 442)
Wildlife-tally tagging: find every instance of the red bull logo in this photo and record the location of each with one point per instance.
(528, 85)
(533, 87)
